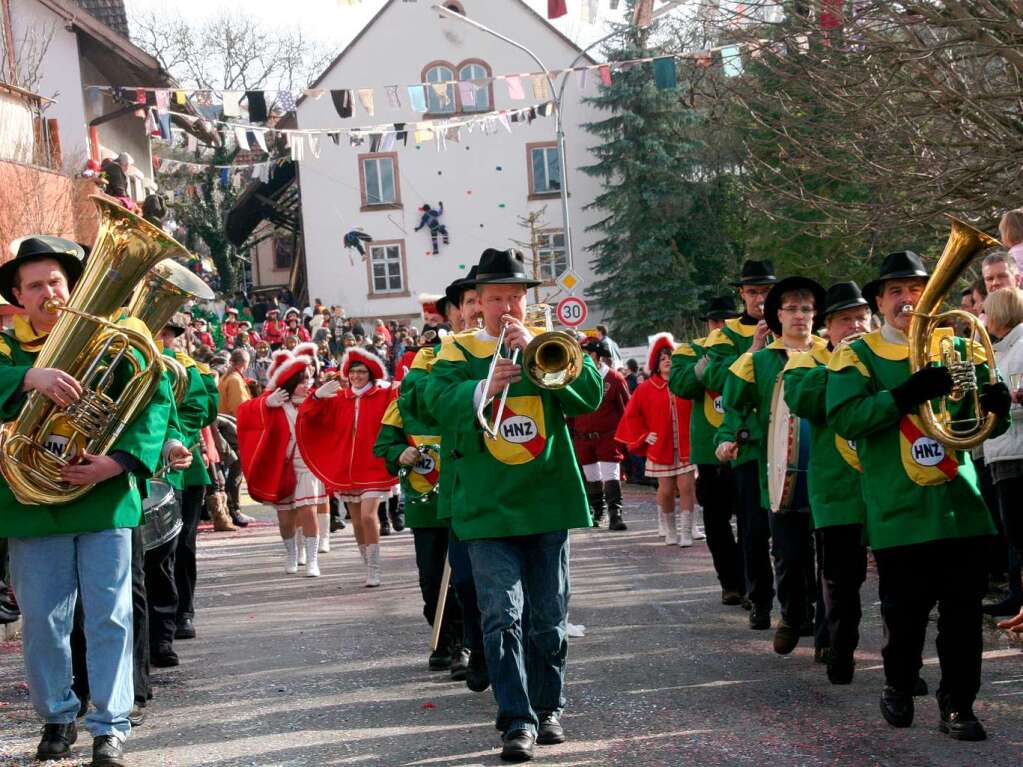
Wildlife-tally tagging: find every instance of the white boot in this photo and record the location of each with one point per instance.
(662, 529)
(291, 556)
(685, 529)
(312, 568)
(372, 565)
(300, 543)
(323, 520)
(670, 528)
(698, 533)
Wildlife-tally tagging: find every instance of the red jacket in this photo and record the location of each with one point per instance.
(273, 331)
(300, 333)
(230, 331)
(263, 437)
(604, 420)
(649, 411)
(337, 437)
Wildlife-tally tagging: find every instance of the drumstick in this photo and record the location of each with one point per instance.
(442, 599)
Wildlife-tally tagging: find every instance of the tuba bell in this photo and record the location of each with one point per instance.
(957, 433)
(87, 343)
(163, 292)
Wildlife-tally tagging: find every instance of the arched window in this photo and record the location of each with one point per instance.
(478, 97)
(444, 102)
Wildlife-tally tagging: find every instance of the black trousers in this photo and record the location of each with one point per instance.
(161, 594)
(465, 588)
(794, 570)
(951, 573)
(715, 491)
(754, 535)
(184, 557)
(140, 632)
(843, 569)
(233, 485)
(431, 554)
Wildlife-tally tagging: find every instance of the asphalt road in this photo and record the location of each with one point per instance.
(294, 671)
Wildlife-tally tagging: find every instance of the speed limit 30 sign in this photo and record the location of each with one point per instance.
(572, 311)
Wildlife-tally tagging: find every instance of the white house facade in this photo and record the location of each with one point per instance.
(486, 182)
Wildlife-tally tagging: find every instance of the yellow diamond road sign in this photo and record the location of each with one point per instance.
(569, 281)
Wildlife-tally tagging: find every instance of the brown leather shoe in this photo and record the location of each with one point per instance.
(786, 638)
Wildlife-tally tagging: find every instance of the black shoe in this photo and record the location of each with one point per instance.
(730, 597)
(551, 732)
(459, 664)
(786, 638)
(920, 688)
(9, 615)
(897, 707)
(961, 724)
(397, 518)
(336, 523)
(746, 604)
(56, 741)
(616, 523)
(518, 746)
(477, 678)
(163, 656)
(841, 670)
(186, 630)
(1008, 606)
(822, 655)
(137, 715)
(760, 618)
(107, 751)
(239, 519)
(440, 659)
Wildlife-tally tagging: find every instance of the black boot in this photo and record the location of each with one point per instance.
(613, 494)
(958, 722)
(595, 497)
(396, 513)
(385, 526)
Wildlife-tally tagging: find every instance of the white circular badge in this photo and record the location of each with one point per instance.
(927, 452)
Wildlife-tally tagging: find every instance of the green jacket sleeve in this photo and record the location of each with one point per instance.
(721, 353)
(585, 393)
(683, 381)
(194, 409)
(212, 401)
(391, 443)
(739, 398)
(143, 438)
(449, 392)
(854, 409)
(805, 392)
(12, 397)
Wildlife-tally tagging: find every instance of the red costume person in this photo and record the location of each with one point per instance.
(593, 437)
(656, 425)
(293, 326)
(202, 334)
(230, 328)
(273, 329)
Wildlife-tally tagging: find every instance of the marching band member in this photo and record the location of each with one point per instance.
(593, 437)
(501, 500)
(926, 521)
(274, 457)
(656, 425)
(790, 312)
(714, 480)
(338, 430)
(836, 501)
(723, 347)
(80, 550)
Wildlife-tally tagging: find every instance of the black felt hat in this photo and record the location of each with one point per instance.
(773, 301)
(757, 273)
(456, 289)
(503, 267)
(38, 247)
(843, 295)
(896, 266)
(598, 345)
(720, 308)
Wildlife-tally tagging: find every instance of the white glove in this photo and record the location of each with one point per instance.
(328, 389)
(409, 457)
(701, 365)
(651, 438)
(277, 398)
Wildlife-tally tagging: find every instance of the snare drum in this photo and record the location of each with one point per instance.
(161, 515)
(784, 458)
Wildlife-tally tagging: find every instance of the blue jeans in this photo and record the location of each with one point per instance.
(49, 575)
(525, 574)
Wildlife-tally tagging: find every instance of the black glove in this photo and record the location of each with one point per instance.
(923, 386)
(995, 398)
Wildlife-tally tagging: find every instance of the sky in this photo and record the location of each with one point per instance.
(334, 24)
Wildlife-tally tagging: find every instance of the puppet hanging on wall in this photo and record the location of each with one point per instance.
(355, 238)
(431, 219)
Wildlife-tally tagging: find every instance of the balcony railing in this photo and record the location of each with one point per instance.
(26, 135)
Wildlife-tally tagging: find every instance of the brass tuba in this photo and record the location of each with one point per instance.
(964, 244)
(552, 360)
(163, 292)
(87, 343)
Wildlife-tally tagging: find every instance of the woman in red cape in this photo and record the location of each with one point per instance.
(656, 425)
(337, 430)
(272, 460)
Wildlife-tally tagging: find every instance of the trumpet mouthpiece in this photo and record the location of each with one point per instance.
(906, 309)
(51, 306)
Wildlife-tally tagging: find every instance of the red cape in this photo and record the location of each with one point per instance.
(263, 437)
(648, 411)
(336, 437)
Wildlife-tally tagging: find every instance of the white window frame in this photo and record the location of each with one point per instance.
(534, 181)
(379, 180)
(390, 265)
(552, 259)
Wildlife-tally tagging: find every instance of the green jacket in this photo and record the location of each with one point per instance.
(114, 503)
(526, 481)
(834, 471)
(914, 489)
(723, 347)
(707, 413)
(197, 410)
(747, 397)
(398, 432)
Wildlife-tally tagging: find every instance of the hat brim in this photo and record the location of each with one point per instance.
(507, 280)
(177, 330)
(72, 266)
(787, 285)
(720, 315)
(849, 303)
(873, 288)
(765, 280)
